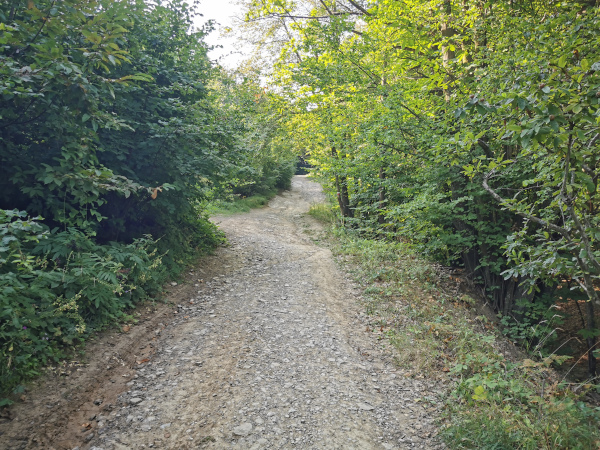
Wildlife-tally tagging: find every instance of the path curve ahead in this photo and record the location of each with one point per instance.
(268, 352)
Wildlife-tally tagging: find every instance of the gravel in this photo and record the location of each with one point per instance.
(271, 353)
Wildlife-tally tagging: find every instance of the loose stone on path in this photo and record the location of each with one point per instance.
(266, 354)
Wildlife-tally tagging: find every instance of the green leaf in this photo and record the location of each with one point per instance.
(587, 181)
(585, 64)
(562, 61)
(479, 394)
(137, 77)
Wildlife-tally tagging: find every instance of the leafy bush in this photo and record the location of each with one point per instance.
(499, 404)
(237, 204)
(58, 286)
(470, 128)
(285, 172)
(536, 324)
(493, 402)
(110, 132)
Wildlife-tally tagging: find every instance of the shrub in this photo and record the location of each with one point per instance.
(493, 402)
(57, 286)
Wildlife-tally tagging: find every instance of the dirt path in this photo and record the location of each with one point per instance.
(269, 351)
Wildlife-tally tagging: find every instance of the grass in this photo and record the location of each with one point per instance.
(240, 204)
(322, 212)
(494, 400)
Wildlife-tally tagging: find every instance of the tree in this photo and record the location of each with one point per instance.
(438, 121)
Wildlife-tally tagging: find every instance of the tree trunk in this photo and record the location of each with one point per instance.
(591, 340)
(341, 185)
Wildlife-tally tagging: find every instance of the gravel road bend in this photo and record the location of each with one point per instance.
(265, 348)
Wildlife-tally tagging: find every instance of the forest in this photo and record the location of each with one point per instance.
(468, 129)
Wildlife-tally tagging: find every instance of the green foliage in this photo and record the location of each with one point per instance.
(264, 162)
(56, 286)
(492, 401)
(323, 212)
(562, 424)
(504, 405)
(107, 125)
(113, 128)
(540, 127)
(533, 325)
(240, 204)
(471, 129)
(285, 172)
(55, 58)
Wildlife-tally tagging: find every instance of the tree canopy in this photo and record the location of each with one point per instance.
(469, 128)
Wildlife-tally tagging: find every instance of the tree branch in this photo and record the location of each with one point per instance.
(486, 148)
(360, 8)
(290, 16)
(37, 34)
(543, 223)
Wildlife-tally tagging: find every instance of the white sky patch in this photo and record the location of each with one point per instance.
(224, 13)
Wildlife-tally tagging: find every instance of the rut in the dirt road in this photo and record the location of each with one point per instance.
(271, 353)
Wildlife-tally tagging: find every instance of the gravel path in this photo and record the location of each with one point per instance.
(270, 353)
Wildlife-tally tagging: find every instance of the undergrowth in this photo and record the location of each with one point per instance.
(56, 287)
(495, 401)
(240, 204)
(322, 212)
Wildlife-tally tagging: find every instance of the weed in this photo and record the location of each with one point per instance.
(57, 286)
(241, 204)
(535, 329)
(323, 213)
(493, 402)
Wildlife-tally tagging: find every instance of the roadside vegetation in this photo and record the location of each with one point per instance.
(448, 133)
(244, 198)
(115, 131)
(240, 204)
(463, 135)
(498, 396)
(469, 129)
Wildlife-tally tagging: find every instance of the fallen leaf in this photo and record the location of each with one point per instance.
(126, 328)
(145, 360)
(87, 425)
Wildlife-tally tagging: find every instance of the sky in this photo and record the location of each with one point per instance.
(223, 12)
